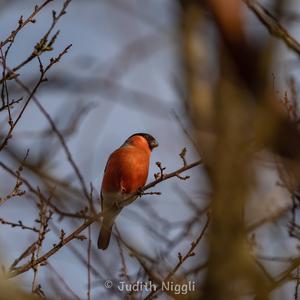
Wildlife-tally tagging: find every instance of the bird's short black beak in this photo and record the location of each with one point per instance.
(154, 144)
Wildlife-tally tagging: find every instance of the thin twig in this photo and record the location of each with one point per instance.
(181, 260)
(22, 23)
(18, 224)
(273, 25)
(89, 248)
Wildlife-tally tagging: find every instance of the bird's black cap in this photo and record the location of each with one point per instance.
(152, 142)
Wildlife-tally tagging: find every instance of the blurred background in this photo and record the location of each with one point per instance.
(194, 75)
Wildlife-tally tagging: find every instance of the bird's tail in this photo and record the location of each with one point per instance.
(105, 232)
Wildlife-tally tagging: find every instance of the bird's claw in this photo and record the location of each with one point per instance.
(118, 204)
(140, 192)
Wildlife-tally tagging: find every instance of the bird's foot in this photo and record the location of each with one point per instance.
(140, 192)
(118, 204)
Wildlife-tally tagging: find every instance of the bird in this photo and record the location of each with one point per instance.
(125, 174)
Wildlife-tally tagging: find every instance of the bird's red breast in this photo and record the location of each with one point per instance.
(127, 167)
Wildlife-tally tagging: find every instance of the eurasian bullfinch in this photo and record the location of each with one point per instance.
(125, 174)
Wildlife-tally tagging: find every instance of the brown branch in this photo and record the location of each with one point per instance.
(4, 90)
(296, 295)
(22, 23)
(19, 224)
(43, 45)
(124, 269)
(65, 147)
(182, 259)
(16, 192)
(273, 25)
(48, 254)
(44, 217)
(79, 215)
(88, 222)
(43, 71)
(61, 139)
(89, 248)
